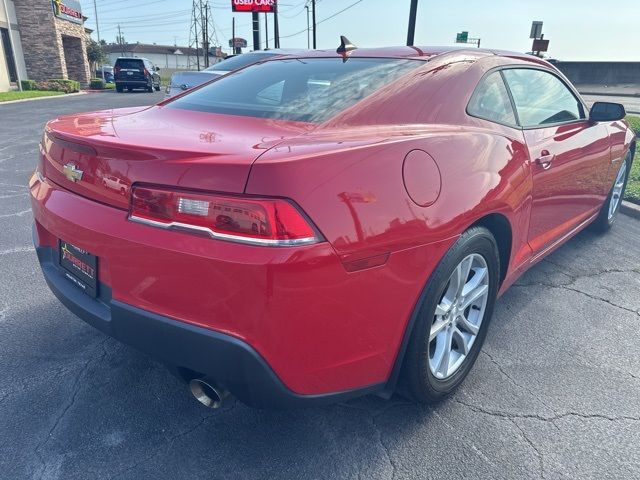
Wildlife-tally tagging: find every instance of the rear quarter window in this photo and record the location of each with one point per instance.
(491, 101)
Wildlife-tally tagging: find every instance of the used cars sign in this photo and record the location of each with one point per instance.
(253, 5)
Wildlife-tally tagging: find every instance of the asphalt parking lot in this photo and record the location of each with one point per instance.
(555, 393)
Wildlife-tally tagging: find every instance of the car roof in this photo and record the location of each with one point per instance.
(132, 58)
(419, 52)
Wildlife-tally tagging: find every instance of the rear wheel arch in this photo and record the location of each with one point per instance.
(500, 227)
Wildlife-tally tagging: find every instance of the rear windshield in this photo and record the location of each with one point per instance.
(239, 61)
(302, 90)
(129, 64)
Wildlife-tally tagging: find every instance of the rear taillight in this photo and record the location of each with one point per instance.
(146, 72)
(116, 70)
(258, 221)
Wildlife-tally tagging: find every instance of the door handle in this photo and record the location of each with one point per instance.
(545, 159)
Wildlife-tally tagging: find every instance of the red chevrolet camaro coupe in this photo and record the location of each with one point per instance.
(327, 225)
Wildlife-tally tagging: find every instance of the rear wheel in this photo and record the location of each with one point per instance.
(611, 207)
(150, 86)
(119, 88)
(453, 319)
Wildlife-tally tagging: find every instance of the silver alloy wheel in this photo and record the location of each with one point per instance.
(458, 316)
(616, 194)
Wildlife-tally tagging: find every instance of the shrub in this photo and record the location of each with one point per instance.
(59, 85)
(29, 85)
(96, 84)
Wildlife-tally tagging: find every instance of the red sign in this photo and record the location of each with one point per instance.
(253, 5)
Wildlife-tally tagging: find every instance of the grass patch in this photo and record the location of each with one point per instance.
(8, 96)
(633, 185)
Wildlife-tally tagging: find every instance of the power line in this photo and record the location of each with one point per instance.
(324, 19)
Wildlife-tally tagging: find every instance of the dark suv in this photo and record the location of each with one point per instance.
(133, 73)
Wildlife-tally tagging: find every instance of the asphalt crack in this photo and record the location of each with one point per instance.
(574, 279)
(538, 453)
(169, 441)
(385, 447)
(518, 385)
(550, 418)
(76, 389)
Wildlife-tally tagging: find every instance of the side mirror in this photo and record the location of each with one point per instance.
(606, 112)
(157, 69)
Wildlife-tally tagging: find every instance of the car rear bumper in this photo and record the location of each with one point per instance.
(231, 362)
(132, 83)
(294, 315)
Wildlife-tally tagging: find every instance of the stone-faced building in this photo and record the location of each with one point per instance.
(49, 42)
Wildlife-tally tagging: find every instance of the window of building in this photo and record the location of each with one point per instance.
(8, 55)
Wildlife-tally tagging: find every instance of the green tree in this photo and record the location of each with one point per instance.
(95, 55)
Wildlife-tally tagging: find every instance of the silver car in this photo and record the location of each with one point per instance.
(181, 81)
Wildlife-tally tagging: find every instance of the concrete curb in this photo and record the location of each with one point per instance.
(42, 98)
(630, 209)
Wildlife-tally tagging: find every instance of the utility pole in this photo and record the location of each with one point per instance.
(313, 16)
(95, 11)
(120, 40)
(266, 31)
(308, 38)
(205, 35)
(276, 27)
(233, 36)
(412, 23)
(256, 30)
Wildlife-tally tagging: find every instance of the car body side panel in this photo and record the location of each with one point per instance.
(573, 186)
(354, 190)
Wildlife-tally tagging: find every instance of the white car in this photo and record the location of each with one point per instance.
(181, 81)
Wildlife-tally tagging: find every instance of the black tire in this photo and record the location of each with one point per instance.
(417, 380)
(603, 223)
(119, 88)
(158, 87)
(150, 86)
(129, 89)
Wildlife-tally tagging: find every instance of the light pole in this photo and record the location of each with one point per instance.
(412, 23)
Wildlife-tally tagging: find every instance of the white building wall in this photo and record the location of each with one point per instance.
(11, 24)
(164, 61)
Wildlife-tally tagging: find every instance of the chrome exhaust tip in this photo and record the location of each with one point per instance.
(207, 394)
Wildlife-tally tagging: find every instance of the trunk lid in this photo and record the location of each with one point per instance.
(101, 155)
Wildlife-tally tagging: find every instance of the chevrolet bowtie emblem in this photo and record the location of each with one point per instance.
(72, 172)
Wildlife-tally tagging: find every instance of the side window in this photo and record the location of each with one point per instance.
(491, 101)
(542, 98)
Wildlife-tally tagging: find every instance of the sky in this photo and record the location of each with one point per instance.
(577, 30)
